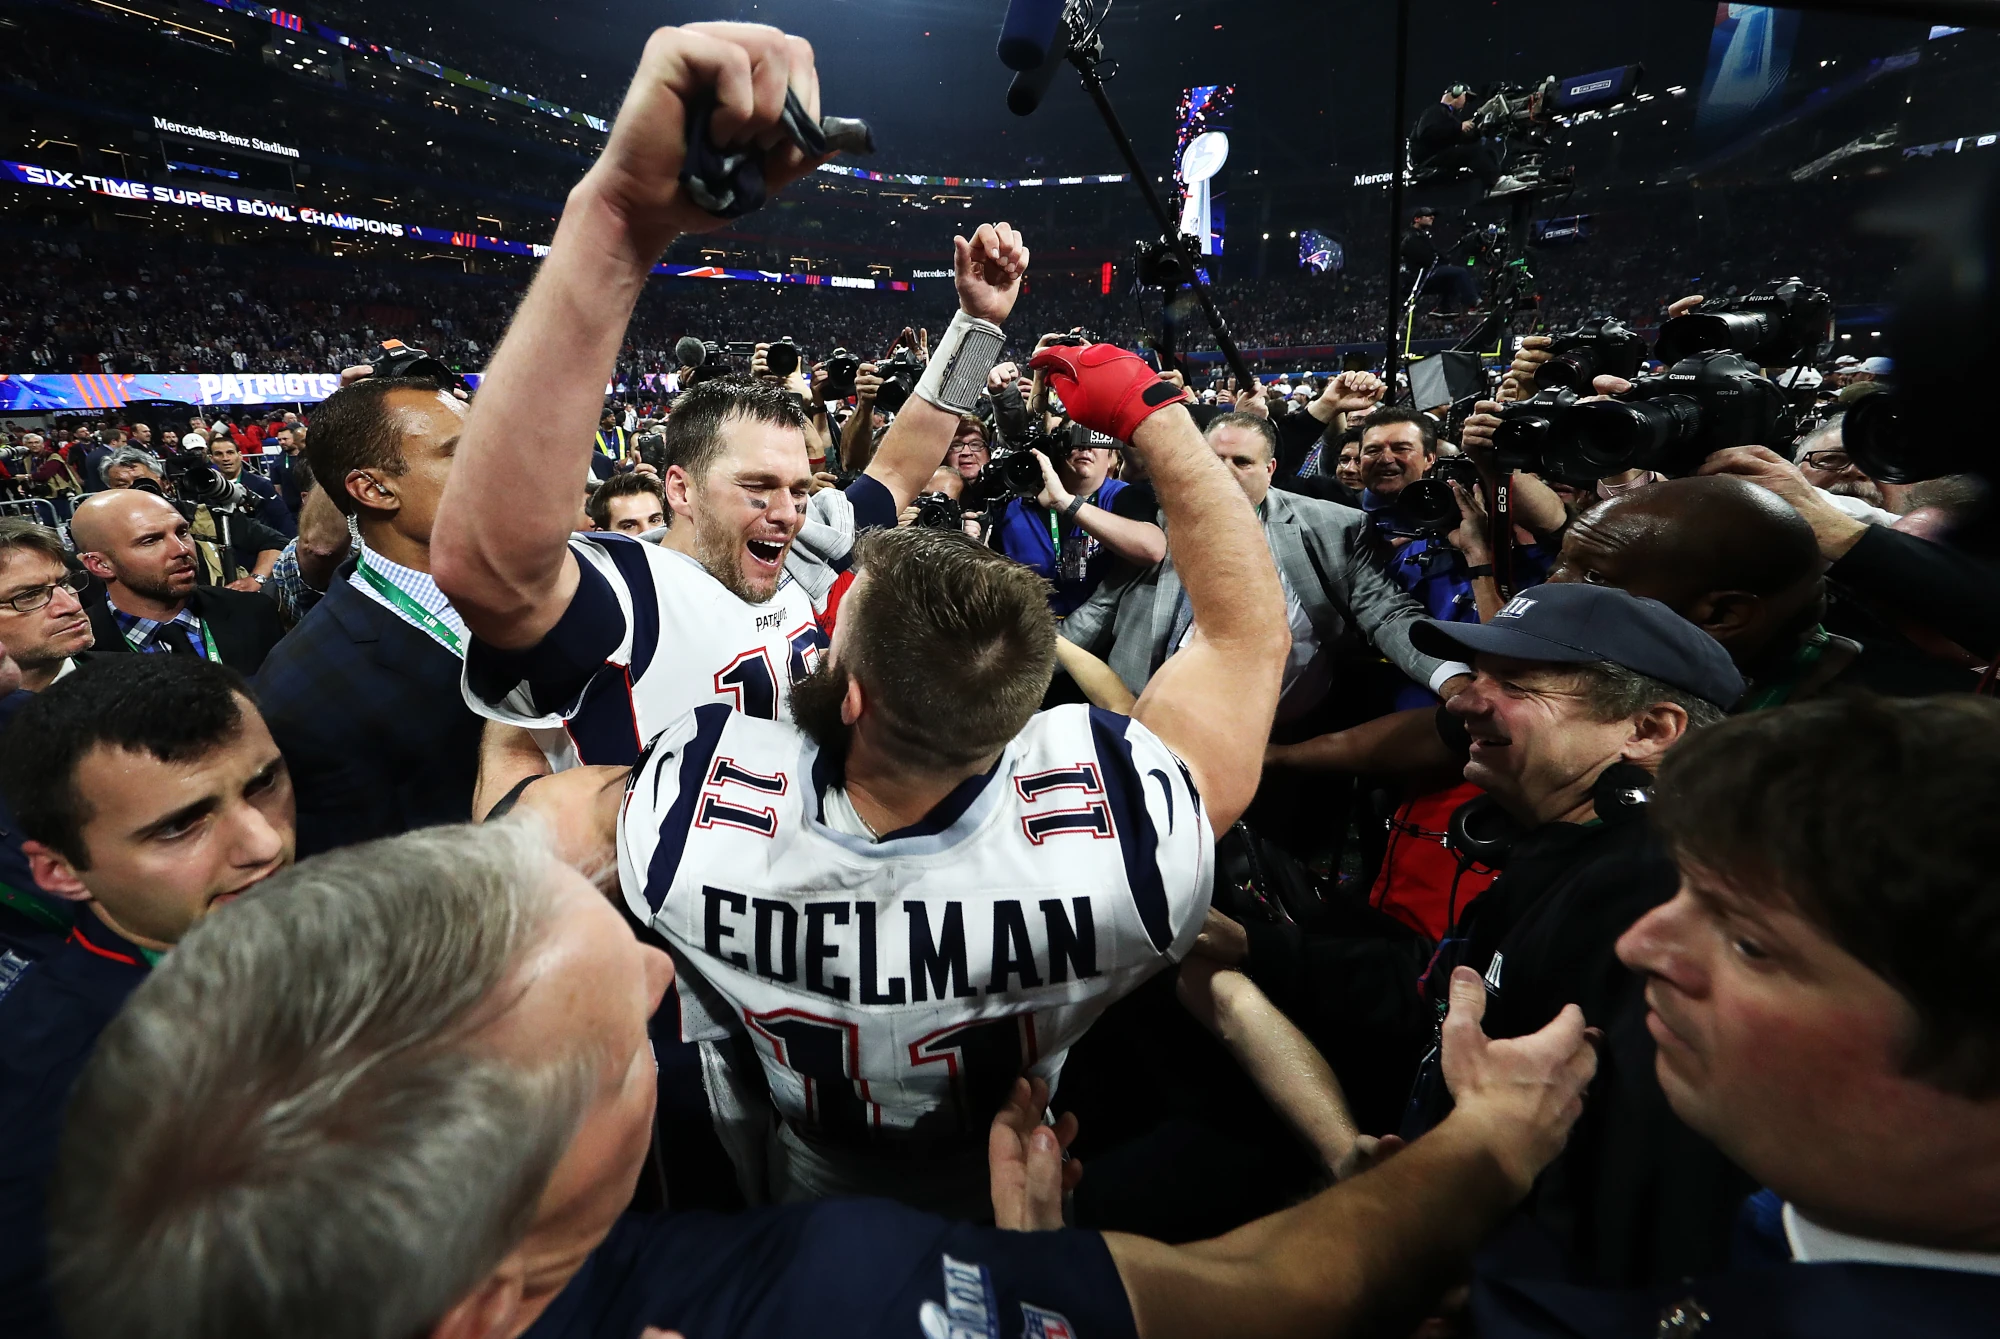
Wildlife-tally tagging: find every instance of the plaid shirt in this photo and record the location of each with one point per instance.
(144, 633)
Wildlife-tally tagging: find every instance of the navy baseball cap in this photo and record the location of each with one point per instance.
(1567, 623)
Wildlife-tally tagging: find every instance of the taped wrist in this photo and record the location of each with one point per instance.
(956, 374)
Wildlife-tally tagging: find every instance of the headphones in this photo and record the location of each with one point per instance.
(1482, 833)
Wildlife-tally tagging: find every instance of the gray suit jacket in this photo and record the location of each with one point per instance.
(1130, 622)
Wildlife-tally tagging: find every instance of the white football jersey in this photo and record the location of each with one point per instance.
(903, 985)
(649, 637)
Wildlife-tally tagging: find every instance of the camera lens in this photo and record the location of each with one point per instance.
(1695, 333)
(1612, 436)
(1427, 507)
(1021, 473)
(1570, 371)
(1523, 437)
(1876, 436)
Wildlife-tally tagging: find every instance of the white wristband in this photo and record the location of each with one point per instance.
(957, 370)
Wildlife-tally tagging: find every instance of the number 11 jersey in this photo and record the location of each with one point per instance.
(900, 987)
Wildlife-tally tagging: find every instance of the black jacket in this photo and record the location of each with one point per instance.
(368, 713)
(245, 626)
(1636, 1196)
(1438, 129)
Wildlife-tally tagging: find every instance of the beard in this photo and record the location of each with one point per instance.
(1863, 489)
(720, 552)
(161, 588)
(816, 703)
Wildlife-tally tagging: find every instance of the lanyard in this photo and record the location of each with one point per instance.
(409, 610)
(1055, 526)
(200, 627)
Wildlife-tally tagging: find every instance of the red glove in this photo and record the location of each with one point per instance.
(1105, 388)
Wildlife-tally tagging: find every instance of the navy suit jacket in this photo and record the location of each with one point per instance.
(368, 714)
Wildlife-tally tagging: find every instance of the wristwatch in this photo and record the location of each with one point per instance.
(1075, 506)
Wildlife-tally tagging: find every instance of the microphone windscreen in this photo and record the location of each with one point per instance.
(1028, 32)
(1030, 86)
(688, 351)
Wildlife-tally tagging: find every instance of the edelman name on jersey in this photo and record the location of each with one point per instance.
(902, 986)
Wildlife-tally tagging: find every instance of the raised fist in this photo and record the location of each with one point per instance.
(745, 70)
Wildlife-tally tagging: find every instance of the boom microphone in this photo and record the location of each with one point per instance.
(1030, 86)
(688, 351)
(1028, 32)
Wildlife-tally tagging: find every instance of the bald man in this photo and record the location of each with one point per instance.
(1731, 558)
(145, 552)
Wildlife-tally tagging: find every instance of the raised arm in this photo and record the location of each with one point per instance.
(500, 548)
(987, 270)
(1212, 703)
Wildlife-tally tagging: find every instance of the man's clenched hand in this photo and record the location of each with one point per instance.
(987, 271)
(745, 69)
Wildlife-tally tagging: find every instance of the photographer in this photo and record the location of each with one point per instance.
(257, 497)
(864, 422)
(808, 391)
(1449, 570)
(1068, 532)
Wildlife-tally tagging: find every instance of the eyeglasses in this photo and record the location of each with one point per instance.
(1830, 461)
(38, 597)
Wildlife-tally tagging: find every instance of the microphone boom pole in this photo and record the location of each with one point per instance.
(1086, 53)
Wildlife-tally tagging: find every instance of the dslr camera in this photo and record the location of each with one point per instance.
(1668, 423)
(1427, 509)
(1594, 349)
(1014, 471)
(1778, 324)
(939, 511)
(899, 381)
(841, 368)
(194, 480)
(781, 357)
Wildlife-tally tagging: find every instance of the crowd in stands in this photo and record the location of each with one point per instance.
(1039, 845)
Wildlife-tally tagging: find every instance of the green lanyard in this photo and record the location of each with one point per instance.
(1779, 691)
(1055, 526)
(409, 610)
(207, 642)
